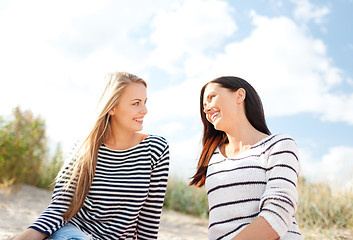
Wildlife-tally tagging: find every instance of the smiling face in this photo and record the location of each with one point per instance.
(128, 114)
(222, 106)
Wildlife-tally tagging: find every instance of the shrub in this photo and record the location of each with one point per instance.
(24, 155)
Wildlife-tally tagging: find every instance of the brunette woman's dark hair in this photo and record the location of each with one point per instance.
(212, 137)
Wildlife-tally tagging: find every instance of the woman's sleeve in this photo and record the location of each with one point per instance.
(149, 216)
(279, 202)
(51, 219)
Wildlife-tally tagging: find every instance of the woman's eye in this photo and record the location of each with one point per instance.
(136, 104)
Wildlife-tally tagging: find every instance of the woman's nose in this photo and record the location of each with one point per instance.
(144, 109)
(206, 108)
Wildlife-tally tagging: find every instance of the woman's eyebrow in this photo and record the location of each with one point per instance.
(138, 99)
(206, 99)
(209, 95)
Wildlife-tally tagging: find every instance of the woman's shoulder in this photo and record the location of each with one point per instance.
(281, 141)
(282, 149)
(159, 148)
(277, 137)
(156, 137)
(157, 140)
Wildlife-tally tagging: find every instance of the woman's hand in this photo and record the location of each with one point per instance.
(31, 234)
(259, 229)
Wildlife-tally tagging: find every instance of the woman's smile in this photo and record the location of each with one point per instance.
(139, 120)
(213, 116)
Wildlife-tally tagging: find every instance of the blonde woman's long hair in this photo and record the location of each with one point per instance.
(83, 170)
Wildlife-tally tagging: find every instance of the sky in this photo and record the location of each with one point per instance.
(297, 54)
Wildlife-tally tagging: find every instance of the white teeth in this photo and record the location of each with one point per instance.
(214, 116)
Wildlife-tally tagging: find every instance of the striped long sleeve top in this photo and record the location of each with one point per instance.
(260, 181)
(125, 199)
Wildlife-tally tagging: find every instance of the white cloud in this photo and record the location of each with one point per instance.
(172, 128)
(334, 168)
(276, 3)
(184, 156)
(337, 166)
(188, 30)
(305, 11)
(176, 103)
(310, 168)
(336, 107)
(350, 81)
(54, 57)
(289, 68)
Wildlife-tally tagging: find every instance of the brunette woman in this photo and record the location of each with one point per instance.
(249, 174)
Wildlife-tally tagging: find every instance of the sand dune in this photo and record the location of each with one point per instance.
(20, 207)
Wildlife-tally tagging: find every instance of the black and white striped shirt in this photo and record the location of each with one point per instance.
(126, 197)
(260, 181)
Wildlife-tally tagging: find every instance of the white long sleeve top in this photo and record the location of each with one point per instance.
(260, 181)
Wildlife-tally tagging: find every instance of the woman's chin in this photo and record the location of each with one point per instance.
(217, 127)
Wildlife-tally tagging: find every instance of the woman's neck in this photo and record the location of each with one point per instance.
(241, 139)
(121, 140)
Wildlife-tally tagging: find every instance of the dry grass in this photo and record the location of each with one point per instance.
(324, 208)
(327, 234)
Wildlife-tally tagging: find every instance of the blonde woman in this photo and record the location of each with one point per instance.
(114, 186)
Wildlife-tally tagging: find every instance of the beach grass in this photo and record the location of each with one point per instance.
(185, 199)
(320, 206)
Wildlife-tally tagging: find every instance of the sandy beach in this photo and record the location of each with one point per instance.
(20, 207)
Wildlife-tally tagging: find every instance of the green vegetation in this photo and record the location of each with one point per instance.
(24, 155)
(50, 169)
(185, 199)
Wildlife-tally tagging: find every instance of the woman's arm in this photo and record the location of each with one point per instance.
(279, 201)
(31, 234)
(259, 229)
(149, 216)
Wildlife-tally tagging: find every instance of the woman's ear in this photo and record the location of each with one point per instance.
(112, 111)
(240, 95)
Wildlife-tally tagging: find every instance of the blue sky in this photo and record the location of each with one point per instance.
(297, 54)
